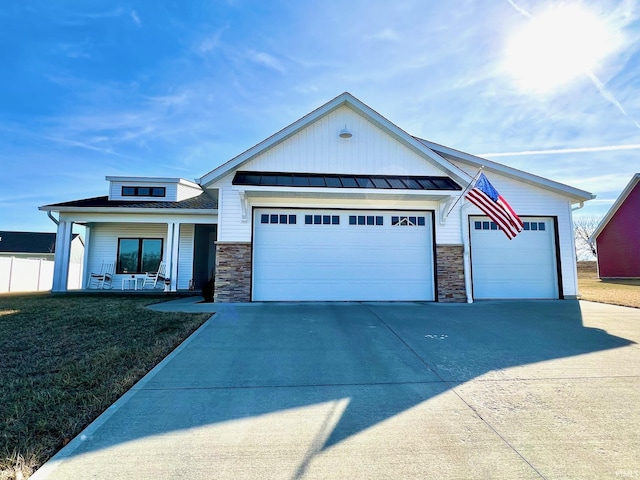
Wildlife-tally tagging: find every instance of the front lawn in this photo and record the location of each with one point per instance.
(616, 292)
(64, 359)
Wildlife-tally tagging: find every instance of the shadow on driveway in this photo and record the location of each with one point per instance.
(360, 363)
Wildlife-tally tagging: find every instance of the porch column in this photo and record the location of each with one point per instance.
(173, 240)
(175, 243)
(62, 256)
(85, 257)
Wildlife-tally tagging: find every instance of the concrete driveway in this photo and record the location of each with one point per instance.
(539, 389)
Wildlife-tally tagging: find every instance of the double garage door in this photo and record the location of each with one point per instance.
(525, 267)
(342, 255)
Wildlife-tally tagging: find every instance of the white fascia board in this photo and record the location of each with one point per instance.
(309, 192)
(189, 183)
(105, 217)
(350, 101)
(125, 211)
(575, 193)
(616, 205)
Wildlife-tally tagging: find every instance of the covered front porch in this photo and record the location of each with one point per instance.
(132, 245)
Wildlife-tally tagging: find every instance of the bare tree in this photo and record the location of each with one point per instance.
(583, 228)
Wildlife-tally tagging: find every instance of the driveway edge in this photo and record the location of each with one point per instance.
(65, 452)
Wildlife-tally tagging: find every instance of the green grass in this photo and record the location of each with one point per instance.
(65, 359)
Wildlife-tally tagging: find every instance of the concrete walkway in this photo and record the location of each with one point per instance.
(508, 390)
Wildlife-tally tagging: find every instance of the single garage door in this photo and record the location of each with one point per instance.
(524, 267)
(342, 255)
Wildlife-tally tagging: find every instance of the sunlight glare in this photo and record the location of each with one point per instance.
(557, 46)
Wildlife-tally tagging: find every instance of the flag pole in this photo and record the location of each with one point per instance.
(473, 180)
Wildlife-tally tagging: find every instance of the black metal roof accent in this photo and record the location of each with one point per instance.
(331, 180)
(201, 202)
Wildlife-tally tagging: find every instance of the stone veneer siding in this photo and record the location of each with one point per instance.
(450, 273)
(233, 272)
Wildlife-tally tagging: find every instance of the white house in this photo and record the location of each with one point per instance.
(340, 205)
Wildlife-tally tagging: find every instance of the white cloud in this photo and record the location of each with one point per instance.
(265, 59)
(74, 143)
(388, 34)
(99, 15)
(135, 18)
(607, 184)
(606, 148)
(210, 43)
(170, 100)
(75, 50)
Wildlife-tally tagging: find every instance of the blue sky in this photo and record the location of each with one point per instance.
(159, 88)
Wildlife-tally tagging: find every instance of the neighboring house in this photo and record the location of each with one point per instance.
(36, 245)
(617, 238)
(340, 205)
(27, 260)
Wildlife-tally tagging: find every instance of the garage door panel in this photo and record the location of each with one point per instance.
(524, 267)
(341, 291)
(342, 261)
(406, 272)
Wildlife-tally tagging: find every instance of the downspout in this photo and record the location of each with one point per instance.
(53, 219)
(466, 253)
(573, 246)
(574, 209)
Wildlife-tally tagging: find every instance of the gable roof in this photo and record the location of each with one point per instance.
(617, 204)
(28, 242)
(438, 154)
(345, 99)
(477, 162)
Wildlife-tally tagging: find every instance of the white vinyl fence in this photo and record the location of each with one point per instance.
(28, 275)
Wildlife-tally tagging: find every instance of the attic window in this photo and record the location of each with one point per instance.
(144, 192)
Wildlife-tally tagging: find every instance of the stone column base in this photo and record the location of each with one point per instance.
(450, 273)
(233, 272)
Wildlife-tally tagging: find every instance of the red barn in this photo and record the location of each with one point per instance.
(618, 235)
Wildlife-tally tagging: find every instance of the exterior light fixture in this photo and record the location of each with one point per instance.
(344, 133)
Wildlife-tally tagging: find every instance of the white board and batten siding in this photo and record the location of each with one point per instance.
(318, 149)
(104, 246)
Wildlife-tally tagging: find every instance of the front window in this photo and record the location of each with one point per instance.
(139, 255)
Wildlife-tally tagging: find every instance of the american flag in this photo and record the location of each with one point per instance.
(487, 199)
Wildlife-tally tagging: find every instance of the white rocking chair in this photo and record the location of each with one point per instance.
(104, 278)
(152, 278)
